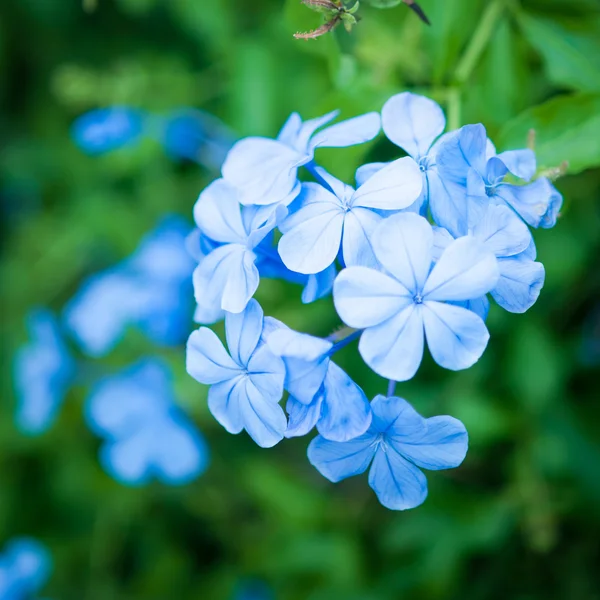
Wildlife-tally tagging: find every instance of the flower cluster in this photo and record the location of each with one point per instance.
(25, 566)
(411, 254)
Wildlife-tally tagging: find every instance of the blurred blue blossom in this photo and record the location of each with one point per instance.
(43, 372)
(399, 443)
(342, 216)
(321, 393)
(400, 307)
(246, 382)
(146, 435)
(253, 589)
(25, 566)
(266, 170)
(106, 129)
(150, 290)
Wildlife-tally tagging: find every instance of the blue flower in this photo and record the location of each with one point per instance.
(479, 179)
(246, 383)
(150, 290)
(399, 443)
(266, 170)
(197, 136)
(146, 434)
(43, 372)
(25, 567)
(107, 129)
(227, 277)
(521, 278)
(321, 393)
(342, 216)
(401, 306)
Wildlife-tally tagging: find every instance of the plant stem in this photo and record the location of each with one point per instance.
(352, 334)
(391, 388)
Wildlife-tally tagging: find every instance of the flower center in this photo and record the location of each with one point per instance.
(418, 299)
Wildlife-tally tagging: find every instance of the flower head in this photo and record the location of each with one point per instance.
(398, 444)
(25, 567)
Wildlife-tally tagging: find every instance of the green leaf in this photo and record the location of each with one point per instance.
(383, 3)
(567, 128)
(570, 49)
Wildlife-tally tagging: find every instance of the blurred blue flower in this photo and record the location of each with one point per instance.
(25, 567)
(479, 179)
(266, 170)
(227, 277)
(253, 589)
(106, 129)
(43, 372)
(321, 393)
(399, 443)
(342, 216)
(146, 435)
(151, 290)
(246, 383)
(398, 308)
(197, 136)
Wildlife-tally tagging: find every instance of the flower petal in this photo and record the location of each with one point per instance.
(412, 122)
(129, 460)
(267, 373)
(364, 297)
(399, 485)
(345, 412)
(302, 417)
(350, 132)
(264, 420)
(217, 213)
(207, 360)
(521, 163)
(403, 244)
(394, 348)
(359, 225)
(319, 285)
(502, 232)
(466, 270)
(465, 150)
(521, 281)
(367, 171)
(339, 460)
(302, 143)
(396, 417)
(243, 331)
(456, 337)
(480, 306)
(395, 186)
(224, 403)
(441, 444)
(290, 130)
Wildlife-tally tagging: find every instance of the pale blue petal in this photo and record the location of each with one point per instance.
(319, 285)
(243, 331)
(290, 130)
(537, 203)
(267, 373)
(339, 460)
(466, 270)
(403, 244)
(207, 360)
(395, 186)
(364, 297)
(521, 281)
(399, 485)
(207, 315)
(264, 420)
(480, 306)
(521, 163)
(341, 190)
(312, 241)
(495, 171)
(225, 400)
(476, 185)
(463, 151)
(442, 238)
(345, 412)
(264, 170)
(394, 348)
(180, 454)
(217, 213)
(306, 360)
(241, 284)
(456, 337)
(359, 227)
(395, 417)
(128, 460)
(442, 444)
(302, 143)
(502, 232)
(302, 417)
(367, 171)
(412, 122)
(351, 132)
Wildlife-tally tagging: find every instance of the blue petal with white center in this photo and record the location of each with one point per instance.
(398, 444)
(246, 382)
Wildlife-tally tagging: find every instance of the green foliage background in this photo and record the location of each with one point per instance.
(521, 518)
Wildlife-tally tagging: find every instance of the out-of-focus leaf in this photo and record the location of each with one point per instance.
(383, 3)
(570, 49)
(567, 128)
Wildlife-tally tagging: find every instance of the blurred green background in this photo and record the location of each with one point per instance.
(521, 518)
